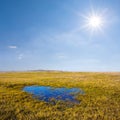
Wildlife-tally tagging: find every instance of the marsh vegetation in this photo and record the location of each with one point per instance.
(101, 100)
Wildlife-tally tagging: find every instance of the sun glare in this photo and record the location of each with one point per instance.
(94, 21)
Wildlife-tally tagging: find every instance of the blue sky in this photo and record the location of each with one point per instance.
(49, 34)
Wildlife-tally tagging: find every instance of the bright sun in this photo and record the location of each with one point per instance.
(94, 21)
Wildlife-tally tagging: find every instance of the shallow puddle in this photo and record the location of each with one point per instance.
(49, 94)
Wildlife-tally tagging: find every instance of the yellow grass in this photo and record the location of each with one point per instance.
(101, 100)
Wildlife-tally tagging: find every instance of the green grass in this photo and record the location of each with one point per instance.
(101, 100)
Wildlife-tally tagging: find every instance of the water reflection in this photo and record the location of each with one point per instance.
(49, 93)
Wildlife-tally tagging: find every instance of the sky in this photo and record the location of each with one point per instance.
(53, 35)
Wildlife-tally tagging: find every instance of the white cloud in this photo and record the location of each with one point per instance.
(12, 47)
(20, 56)
(73, 38)
(61, 56)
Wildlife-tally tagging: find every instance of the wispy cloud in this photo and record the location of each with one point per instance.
(12, 47)
(72, 37)
(62, 56)
(20, 56)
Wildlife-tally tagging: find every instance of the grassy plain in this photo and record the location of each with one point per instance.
(101, 100)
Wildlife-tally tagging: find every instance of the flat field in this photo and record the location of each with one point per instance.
(101, 100)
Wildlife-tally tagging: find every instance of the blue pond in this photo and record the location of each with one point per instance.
(48, 93)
